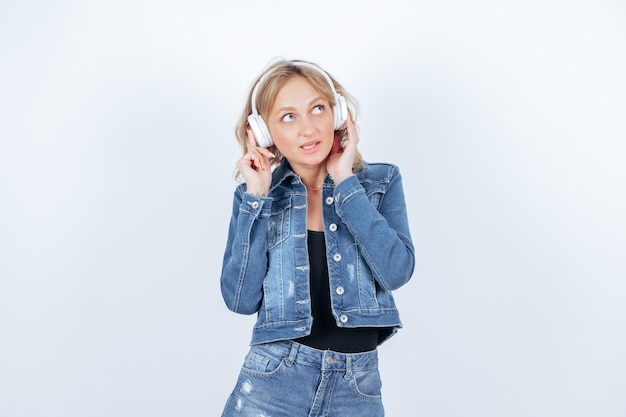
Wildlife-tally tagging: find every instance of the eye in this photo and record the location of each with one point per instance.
(318, 109)
(287, 117)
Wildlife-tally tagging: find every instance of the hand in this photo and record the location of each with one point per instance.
(254, 167)
(340, 161)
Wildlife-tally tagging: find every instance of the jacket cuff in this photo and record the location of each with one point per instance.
(255, 205)
(346, 189)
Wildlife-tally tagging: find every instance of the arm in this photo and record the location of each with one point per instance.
(245, 258)
(383, 235)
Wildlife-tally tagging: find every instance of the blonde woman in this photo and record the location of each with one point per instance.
(317, 242)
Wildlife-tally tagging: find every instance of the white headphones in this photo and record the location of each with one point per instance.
(258, 125)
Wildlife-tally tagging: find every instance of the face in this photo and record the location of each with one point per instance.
(301, 124)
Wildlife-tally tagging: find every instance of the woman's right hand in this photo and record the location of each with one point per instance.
(254, 167)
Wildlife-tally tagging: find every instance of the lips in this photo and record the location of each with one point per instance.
(310, 146)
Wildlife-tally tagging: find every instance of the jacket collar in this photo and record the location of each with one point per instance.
(282, 173)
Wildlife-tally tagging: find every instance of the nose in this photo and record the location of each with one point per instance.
(306, 126)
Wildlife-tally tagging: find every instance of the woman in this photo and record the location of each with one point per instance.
(317, 241)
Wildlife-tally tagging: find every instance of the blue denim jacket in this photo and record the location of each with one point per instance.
(368, 246)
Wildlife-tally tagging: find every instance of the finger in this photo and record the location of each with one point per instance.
(267, 152)
(352, 133)
(350, 126)
(260, 157)
(256, 160)
(336, 144)
(246, 165)
(251, 141)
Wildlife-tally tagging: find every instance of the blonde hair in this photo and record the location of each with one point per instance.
(276, 75)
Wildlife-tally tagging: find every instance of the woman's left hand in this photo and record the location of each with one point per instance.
(340, 161)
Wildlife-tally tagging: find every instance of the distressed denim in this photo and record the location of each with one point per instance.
(287, 379)
(369, 250)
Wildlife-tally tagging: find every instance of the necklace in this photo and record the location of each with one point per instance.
(315, 179)
(313, 189)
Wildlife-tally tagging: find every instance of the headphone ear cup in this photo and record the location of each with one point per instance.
(340, 111)
(260, 130)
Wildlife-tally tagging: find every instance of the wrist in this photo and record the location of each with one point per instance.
(339, 177)
(257, 192)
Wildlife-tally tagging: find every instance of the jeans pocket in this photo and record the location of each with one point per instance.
(260, 362)
(367, 384)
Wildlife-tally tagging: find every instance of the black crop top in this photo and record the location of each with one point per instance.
(325, 334)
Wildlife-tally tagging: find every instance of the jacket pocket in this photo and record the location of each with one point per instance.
(375, 193)
(368, 289)
(278, 225)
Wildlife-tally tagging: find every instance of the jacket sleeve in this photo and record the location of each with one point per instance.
(245, 257)
(382, 235)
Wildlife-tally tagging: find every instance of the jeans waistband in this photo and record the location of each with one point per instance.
(325, 360)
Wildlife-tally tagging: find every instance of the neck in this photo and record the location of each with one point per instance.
(313, 179)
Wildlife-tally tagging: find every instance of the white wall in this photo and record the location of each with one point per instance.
(116, 161)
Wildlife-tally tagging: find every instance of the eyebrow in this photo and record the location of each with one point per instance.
(286, 108)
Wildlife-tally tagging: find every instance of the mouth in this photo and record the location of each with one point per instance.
(310, 146)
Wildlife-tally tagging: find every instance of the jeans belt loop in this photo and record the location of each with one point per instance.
(348, 375)
(292, 354)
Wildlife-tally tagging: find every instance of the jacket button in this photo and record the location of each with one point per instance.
(332, 227)
(343, 318)
(337, 257)
(329, 200)
(339, 290)
(255, 204)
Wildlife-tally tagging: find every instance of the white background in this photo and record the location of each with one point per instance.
(116, 160)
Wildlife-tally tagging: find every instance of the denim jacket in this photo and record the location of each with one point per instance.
(368, 245)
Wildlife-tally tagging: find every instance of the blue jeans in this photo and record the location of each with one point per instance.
(287, 379)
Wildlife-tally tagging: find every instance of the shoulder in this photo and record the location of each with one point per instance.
(377, 172)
